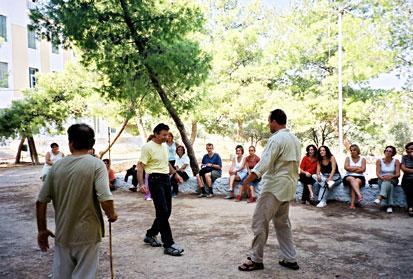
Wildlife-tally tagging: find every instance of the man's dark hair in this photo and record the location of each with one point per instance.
(279, 116)
(107, 161)
(160, 127)
(54, 145)
(408, 145)
(81, 136)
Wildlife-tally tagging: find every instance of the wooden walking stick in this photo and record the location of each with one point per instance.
(110, 251)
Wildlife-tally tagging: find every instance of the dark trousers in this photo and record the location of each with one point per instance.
(174, 184)
(160, 188)
(306, 180)
(407, 185)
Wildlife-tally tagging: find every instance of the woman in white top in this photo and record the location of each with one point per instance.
(183, 169)
(355, 166)
(237, 172)
(51, 157)
(388, 172)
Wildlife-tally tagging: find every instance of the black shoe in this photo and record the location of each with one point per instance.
(289, 265)
(151, 240)
(173, 250)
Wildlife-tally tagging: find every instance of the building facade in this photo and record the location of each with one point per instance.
(22, 54)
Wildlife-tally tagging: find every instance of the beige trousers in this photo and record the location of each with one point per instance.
(77, 262)
(269, 208)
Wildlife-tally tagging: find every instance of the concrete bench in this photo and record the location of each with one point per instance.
(339, 193)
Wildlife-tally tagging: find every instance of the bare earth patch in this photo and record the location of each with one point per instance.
(334, 242)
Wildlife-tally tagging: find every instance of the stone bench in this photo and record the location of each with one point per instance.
(338, 193)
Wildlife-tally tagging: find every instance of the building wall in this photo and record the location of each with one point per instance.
(19, 57)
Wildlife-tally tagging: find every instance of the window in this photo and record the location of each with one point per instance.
(31, 37)
(32, 77)
(3, 27)
(4, 75)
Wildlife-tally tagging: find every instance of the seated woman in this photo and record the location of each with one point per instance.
(183, 169)
(327, 175)
(249, 163)
(237, 172)
(111, 174)
(388, 172)
(407, 181)
(308, 167)
(355, 166)
(52, 157)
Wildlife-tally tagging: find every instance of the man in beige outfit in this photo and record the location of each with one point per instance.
(278, 168)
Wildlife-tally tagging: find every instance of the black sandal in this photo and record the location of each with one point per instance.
(250, 265)
(289, 265)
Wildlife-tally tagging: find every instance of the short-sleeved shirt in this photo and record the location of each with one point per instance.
(251, 162)
(215, 159)
(407, 161)
(279, 165)
(111, 175)
(155, 158)
(308, 165)
(184, 160)
(76, 185)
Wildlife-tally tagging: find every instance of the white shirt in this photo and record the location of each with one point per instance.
(179, 162)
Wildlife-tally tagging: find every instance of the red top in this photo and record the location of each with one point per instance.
(111, 174)
(251, 162)
(308, 165)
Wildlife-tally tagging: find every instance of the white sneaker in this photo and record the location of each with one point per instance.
(322, 204)
(389, 210)
(377, 201)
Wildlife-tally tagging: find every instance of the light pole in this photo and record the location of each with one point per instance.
(340, 83)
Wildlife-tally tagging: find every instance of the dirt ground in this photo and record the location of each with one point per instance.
(333, 242)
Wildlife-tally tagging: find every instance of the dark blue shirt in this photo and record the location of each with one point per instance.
(215, 160)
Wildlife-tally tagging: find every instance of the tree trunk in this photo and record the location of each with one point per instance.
(141, 128)
(33, 152)
(19, 150)
(102, 153)
(159, 89)
(240, 129)
(194, 130)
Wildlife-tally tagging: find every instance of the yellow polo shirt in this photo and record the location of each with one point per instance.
(155, 158)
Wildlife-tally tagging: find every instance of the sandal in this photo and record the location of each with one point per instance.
(173, 250)
(360, 199)
(289, 265)
(250, 265)
(410, 212)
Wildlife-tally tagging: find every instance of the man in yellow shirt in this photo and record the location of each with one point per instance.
(278, 168)
(154, 160)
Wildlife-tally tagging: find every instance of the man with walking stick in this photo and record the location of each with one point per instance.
(78, 186)
(279, 170)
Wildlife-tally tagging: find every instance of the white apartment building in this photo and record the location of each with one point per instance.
(22, 55)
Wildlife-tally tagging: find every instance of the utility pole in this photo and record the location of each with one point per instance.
(340, 83)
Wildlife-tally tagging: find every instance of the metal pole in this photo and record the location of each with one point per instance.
(340, 84)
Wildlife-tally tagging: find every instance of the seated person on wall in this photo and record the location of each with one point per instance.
(407, 181)
(51, 157)
(250, 162)
(237, 171)
(183, 169)
(111, 174)
(327, 175)
(210, 170)
(132, 172)
(388, 172)
(308, 167)
(355, 166)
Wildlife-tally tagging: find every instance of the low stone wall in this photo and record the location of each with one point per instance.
(338, 193)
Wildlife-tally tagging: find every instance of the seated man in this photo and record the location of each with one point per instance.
(132, 172)
(111, 174)
(210, 170)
